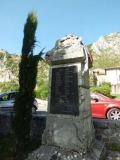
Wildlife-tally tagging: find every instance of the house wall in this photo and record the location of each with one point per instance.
(101, 79)
(113, 76)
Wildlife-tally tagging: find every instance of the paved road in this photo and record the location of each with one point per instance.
(40, 114)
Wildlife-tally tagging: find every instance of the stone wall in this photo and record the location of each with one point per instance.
(5, 124)
(37, 125)
(107, 131)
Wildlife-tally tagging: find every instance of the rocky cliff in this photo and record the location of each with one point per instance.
(8, 66)
(105, 51)
(109, 43)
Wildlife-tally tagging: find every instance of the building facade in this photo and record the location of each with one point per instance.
(112, 75)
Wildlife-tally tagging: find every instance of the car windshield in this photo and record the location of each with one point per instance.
(98, 96)
(1, 94)
(7, 96)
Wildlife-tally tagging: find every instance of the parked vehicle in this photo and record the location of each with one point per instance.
(7, 101)
(104, 107)
(101, 106)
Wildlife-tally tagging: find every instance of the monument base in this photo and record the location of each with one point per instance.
(96, 152)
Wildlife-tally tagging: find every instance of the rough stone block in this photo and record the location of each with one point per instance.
(108, 132)
(69, 133)
(69, 49)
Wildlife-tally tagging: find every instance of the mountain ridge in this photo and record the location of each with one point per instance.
(105, 51)
(109, 42)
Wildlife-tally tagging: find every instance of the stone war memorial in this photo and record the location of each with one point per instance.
(69, 132)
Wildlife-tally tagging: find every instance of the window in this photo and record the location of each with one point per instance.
(8, 96)
(5, 97)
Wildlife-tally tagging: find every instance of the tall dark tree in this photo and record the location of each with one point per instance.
(27, 80)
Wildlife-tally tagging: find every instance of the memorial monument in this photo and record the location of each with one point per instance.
(69, 132)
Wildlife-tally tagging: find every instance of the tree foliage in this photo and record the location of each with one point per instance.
(92, 80)
(27, 81)
(8, 86)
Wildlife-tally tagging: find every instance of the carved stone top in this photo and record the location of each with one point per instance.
(66, 41)
(68, 49)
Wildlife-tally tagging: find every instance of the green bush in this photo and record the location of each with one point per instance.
(41, 94)
(107, 83)
(8, 86)
(42, 90)
(103, 89)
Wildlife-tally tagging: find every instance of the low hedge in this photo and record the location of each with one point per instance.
(41, 94)
(104, 89)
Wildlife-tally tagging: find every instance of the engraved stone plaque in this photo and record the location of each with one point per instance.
(64, 91)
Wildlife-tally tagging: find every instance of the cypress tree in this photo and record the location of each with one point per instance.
(21, 120)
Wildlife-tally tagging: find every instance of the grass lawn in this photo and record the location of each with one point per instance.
(114, 147)
(7, 147)
(116, 96)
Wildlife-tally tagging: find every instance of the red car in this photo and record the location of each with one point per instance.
(104, 107)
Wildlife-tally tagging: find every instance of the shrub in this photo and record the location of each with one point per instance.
(8, 86)
(103, 89)
(42, 93)
(92, 79)
(107, 83)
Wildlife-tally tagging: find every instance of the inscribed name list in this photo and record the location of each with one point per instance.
(64, 91)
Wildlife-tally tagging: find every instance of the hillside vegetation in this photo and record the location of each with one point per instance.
(9, 69)
(105, 51)
(105, 60)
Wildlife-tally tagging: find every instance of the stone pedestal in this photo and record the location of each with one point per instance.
(69, 132)
(69, 124)
(96, 152)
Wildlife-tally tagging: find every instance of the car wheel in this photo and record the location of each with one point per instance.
(113, 114)
(33, 110)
